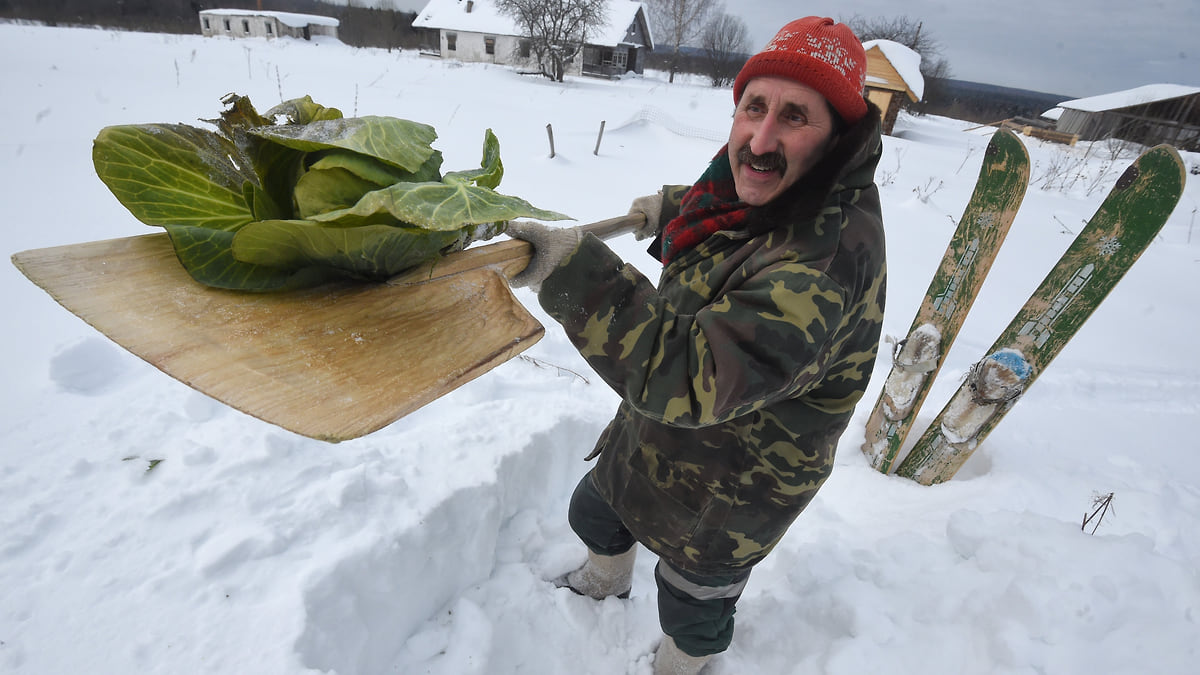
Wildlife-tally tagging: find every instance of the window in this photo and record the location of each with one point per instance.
(246, 26)
(227, 28)
(206, 26)
(489, 45)
(270, 28)
(525, 50)
(451, 41)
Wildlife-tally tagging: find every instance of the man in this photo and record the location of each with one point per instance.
(740, 372)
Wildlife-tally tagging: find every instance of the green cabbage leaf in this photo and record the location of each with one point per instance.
(301, 195)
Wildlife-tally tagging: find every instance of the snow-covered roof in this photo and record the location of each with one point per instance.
(1130, 97)
(1053, 114)
(291, 19)
(906, 62)
(484, 17)
(621, 15)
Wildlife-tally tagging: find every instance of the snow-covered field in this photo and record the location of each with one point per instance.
(425, 547)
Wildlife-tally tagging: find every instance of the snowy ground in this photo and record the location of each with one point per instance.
(425, 547)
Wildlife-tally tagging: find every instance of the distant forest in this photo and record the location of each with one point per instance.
(361, 27)
(985, 103)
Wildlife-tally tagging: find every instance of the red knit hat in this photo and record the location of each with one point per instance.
(819, 53)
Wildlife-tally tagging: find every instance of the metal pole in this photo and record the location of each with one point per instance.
(550, 133)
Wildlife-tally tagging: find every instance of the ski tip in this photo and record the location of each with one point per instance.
(1166, 166)
(1173, 153)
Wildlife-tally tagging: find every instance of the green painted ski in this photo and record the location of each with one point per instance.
(918, 357)
(1125, 224)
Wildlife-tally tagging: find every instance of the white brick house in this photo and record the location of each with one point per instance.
(259, 23)
(476, 31)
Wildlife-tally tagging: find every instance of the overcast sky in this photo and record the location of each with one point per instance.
(1075, 48)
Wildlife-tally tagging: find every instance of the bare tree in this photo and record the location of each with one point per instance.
(678, 22)
(724, 43)
(908, 32)
(556, 29)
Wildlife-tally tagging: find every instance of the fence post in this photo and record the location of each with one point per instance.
(550, 133)
(598, 137)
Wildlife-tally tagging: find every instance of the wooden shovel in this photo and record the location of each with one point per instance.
(334, 362)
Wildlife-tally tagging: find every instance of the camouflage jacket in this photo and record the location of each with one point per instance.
(740, 372)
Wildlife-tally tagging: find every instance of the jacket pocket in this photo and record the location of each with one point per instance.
(672, 506)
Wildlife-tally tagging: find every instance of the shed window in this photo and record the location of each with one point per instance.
(246, 26)
(227, 28)
(206, 26)
(489, 45)
(451, 41)
(270, 28)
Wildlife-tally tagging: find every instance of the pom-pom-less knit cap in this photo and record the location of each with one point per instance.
(819, 53)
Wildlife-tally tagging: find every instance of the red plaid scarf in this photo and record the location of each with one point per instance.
(711, 205)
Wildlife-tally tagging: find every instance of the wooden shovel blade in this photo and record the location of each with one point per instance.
(333, 363)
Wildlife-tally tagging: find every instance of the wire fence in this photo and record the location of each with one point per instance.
(662, 119)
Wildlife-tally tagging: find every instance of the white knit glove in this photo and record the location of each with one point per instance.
(550, 246)
(651, 207)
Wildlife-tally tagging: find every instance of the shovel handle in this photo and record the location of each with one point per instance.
(606, 229)
(509, 257)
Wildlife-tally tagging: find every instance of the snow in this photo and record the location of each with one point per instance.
(906, 62)
(1130, 97)
(484, 17)
(149, 529)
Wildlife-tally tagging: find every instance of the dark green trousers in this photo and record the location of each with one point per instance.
(696, 611)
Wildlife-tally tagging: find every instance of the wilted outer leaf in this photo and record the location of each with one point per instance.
(370, 251)
(435, 206)
(207, 256)
(403, 143)
(174, 174)
(302, 111)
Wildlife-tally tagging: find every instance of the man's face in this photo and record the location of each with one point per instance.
(781, 128)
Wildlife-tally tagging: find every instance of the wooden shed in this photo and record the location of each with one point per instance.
(893, 75)
(1149, 115)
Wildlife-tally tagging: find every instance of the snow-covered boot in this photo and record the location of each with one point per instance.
(669, 659)
(602, 575)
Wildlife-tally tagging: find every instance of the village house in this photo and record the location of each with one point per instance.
(893, 75)
(1149, 115)
(476, 31)
(268, 24)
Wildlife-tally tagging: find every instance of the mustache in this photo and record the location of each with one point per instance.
(772, 161)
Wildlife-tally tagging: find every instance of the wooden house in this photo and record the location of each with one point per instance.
(893, 76)
(1149, 115)
(476, 31)
(268, 24)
